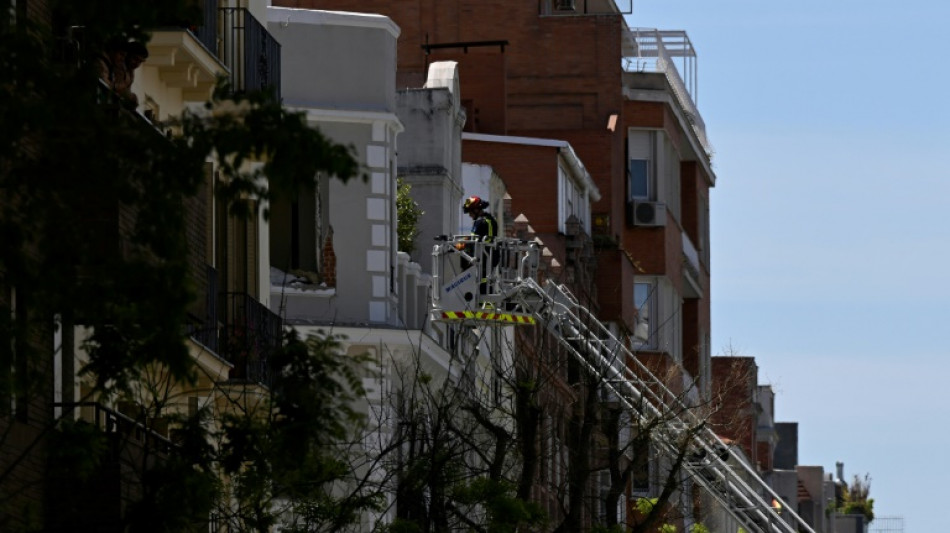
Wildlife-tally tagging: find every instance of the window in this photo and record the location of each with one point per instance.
(638, 179)
(641, 167)
(641, 463)
(572, 200)
(660, 318)
(644, 300)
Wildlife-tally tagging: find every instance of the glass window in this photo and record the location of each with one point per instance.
(638, 183)
(644, 299)
(571, 201)
(641, 164)
(641, 463)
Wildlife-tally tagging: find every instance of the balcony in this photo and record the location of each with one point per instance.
(229, 42)
(98, 500)
(185, 61)
(250, 51)
(671, 53)
(236, 327)
(207, 33)
(153, 437)
(250, 336)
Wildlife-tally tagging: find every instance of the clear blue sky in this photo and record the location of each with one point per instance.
(831, 128)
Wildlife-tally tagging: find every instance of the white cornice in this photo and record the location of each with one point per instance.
(288, 15)
(511, 139)
(354, 116)
(564, 148)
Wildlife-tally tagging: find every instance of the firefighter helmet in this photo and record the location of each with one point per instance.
(473, 202)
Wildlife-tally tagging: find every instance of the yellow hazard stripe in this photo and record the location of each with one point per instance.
(489, 316)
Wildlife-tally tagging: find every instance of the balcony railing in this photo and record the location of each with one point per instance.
(250, 51)
(585, 7)
(204, 329)
(207, 32)
(249, 338)
(237, 328)
(112, 422)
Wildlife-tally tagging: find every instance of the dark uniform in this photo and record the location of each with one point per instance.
(484, 229)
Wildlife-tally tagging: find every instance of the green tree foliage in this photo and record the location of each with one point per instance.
(504, 511)
(407, 217)
(72, 156)
(93, 211)
(287, 453)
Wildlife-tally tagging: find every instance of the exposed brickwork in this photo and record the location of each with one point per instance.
(692, 336)
(530, 175)
(485, 98)
(329, 261)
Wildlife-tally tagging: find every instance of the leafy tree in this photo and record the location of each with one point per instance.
(287, 459)
(93, 210)
(407, 216)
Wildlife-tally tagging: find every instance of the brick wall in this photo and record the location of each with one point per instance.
(734, 383)
(555, 69)
(530, 176)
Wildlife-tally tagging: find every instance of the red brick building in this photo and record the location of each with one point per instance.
(577, 73)
(735, 415)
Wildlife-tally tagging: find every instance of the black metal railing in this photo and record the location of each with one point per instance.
(249, 338)
(203, 26)
(249, 51)
(113, 422)
(207, 32)
(203, 327)
(237, 328)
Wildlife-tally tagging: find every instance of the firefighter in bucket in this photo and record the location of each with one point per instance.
(484, 229)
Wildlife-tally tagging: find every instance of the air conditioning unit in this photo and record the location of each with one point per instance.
(564, 5)
(644, 213)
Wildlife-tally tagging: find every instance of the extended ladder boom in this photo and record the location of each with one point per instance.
(502, 275)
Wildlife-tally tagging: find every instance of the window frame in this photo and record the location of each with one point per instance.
(650, 302)
(572, 199)
(642, 146)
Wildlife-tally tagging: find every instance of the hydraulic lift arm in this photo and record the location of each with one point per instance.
(496, 283)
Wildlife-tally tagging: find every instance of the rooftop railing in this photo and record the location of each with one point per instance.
(669, 52)
(585, 7)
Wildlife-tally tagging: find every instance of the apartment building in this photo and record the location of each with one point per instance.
(593, 149)
(373, 296)
(576, 72)
(572, 78)
(111, 253)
